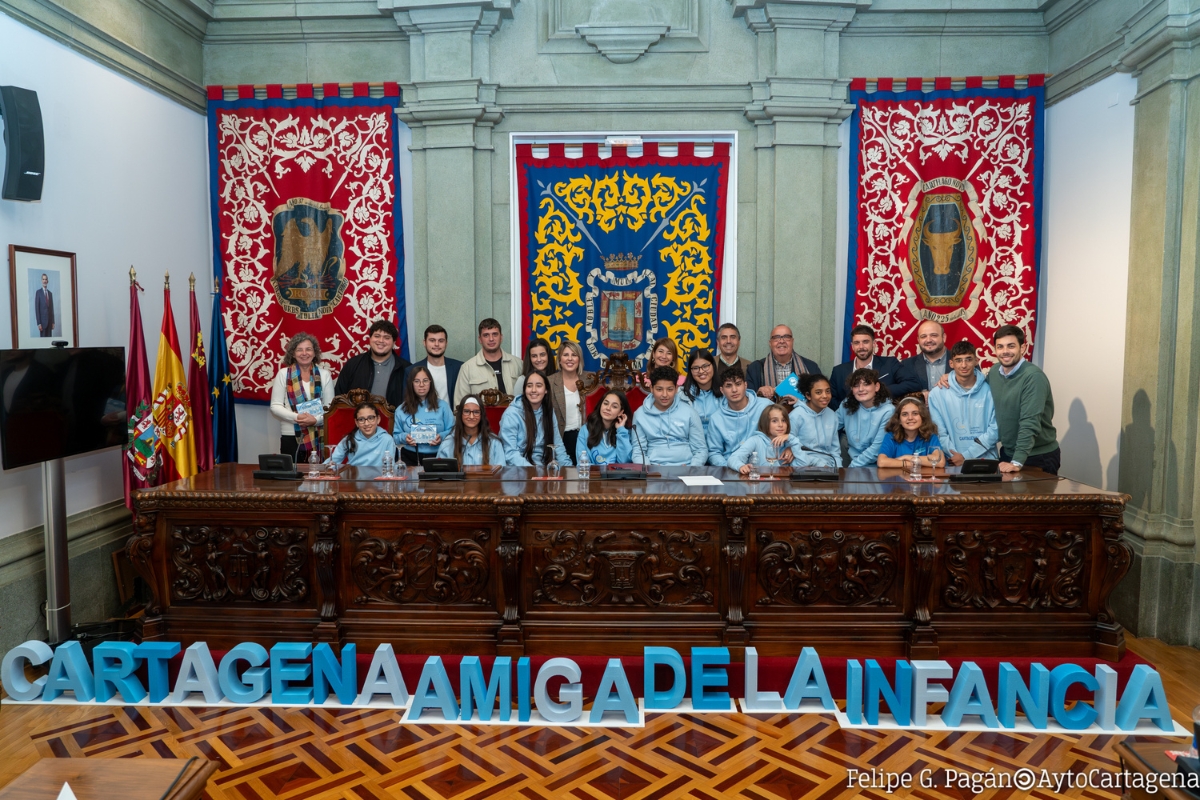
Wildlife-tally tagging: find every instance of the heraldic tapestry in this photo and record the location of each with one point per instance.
(945, 210)
(618, 252)
(306, 222)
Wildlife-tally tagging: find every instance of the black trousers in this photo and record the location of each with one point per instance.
(412, 458)
(570, 439)
(1046, 462)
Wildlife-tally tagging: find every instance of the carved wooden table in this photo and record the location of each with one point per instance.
(873, 565)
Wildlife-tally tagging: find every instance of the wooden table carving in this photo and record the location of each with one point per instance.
(504, 564)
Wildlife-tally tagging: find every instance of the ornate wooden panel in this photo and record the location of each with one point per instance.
(834, 567)
(1015, 569)
(228, 563)
(624, 568)
(412, 566)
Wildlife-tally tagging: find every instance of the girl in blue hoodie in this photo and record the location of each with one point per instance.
(699, 388)
(605, 438)
(369, 443)
(421, 406)
(815, 424)
(863, 416)
(667, 430)
(530, 434)
(472, 443)
(772, 442)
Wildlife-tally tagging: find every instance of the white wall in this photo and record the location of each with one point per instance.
(1088, 186)
(126, 183)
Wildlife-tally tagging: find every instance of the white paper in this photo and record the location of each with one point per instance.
(66, 793)
(700, 480)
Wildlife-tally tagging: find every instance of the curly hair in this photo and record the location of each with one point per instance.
(928, 426)
(867, 376)
(289, 350)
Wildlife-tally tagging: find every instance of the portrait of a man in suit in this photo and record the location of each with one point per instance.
(43, 308)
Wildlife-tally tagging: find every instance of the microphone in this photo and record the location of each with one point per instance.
(986, 450)
(808, 449)
(641, 446)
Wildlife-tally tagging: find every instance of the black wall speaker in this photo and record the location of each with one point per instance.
(24, 147)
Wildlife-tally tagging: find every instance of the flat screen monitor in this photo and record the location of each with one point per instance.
(60, 402)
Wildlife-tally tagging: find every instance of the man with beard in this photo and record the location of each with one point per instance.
(862, 344)
(1024, 406)
(923, 371)
(380, 370)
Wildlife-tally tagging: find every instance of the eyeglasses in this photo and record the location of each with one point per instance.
(781, 337)
(371, 418)
(471, 412)
(702, 367)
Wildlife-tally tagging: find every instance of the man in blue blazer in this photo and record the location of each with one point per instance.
(444, 370)
(923, 371)
(862, 344)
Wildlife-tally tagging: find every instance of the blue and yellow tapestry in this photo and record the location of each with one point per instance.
(618, 252)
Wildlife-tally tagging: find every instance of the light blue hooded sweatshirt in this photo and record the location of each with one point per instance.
(728, 429)
(512, 431)
(367, 452)
(964, 415)
(441, 417)
(761, 444)
(472, 455)
(817, 432)
(674, 438)
(605, 453)
(865, 431)
(705, 404)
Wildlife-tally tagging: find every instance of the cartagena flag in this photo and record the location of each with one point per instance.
(141, 452)
(172, 405)
(198, 388)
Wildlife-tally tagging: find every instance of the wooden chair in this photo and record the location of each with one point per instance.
(616, 373)
(339, 416)
(494, 403)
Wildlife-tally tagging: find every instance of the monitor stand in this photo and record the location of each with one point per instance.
(58, 581)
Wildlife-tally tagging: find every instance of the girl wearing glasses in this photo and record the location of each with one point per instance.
(472, 443)
(421, 407)
(699, 386)
(367, 446)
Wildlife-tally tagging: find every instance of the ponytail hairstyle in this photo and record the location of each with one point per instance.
(595, 423)
(351, 440)
(460, 430)
(764, 419)
(412, 403)
(548, 426)
(867, 376)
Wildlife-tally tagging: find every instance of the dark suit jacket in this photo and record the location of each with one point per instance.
(886, 366)
(359, 373)
(913, 377)
(43, 309)
(453, 365)
(754, 375)
(721, 367)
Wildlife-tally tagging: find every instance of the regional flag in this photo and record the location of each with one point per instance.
(198, 387)
(141, 452)
(172, 406)
(224, 420)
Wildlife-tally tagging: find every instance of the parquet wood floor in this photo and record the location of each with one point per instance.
(315, 753)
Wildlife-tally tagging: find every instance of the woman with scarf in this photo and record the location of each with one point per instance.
(302, 380)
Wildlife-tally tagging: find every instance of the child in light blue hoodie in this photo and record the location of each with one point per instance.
(699, 388)
(668, 431)
(472, 443)
(815, 424)
(421, 406)
(736, 415)
(606, 438)
(530, 434)
(369, 443)
(773, 441)
(964, 411)
(863, 415)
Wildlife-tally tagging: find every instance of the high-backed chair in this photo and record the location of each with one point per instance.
(339, 416)
(494, 403)
(617, 373)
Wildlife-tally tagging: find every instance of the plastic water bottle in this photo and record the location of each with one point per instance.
(583, 467)
(914, 469)
(387, 465)
(752, 462)
(314, 465)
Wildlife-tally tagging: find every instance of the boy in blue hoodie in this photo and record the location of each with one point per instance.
(863, 415)
(736, 415)
(667, 430)
(964, 411)
(815, 424)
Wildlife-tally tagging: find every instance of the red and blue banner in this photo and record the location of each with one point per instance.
(619, 251)
(945, 210)
(307, 230)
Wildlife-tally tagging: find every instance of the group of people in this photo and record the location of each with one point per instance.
(934, 408)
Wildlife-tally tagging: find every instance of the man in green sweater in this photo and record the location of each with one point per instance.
(1024, 407)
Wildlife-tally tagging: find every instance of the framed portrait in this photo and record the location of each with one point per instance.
(41, 287)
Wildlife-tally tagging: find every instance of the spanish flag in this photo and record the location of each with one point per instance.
(172, 405)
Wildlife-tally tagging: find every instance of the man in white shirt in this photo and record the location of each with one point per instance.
(444, 370)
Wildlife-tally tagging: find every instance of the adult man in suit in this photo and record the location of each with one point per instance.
(923, 371)
(380, 370)
(862, 344)
(444, 370)
(43, 308)
(729, 341)
(764, 375)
